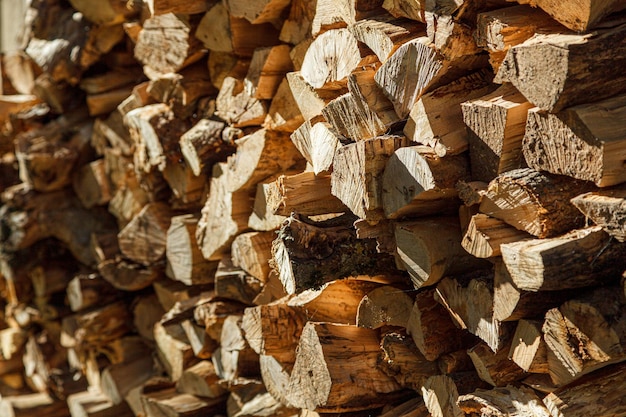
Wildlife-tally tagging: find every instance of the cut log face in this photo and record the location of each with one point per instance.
(585, 334)
(357, 174)
(564, 262)
(322, 375)
(417, 182)
(384, 306)
(576, 143)
(252, 252)
(430, 249)
(528, 350)
(526, 66)
(501, 402)
(406, 8)
(581, 18)
(144, 239)
(485, 234)
(605, 208)
(495, 368)
(535, 202)
(440, 396)
(318, 143)
(257, 11)
(332, 14)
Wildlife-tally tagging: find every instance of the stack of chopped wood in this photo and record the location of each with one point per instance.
(314, 208)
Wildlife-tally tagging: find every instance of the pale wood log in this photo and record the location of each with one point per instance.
(158, 7)
(201, 380)
(528, 349)
(353, 119)
(411, 9)
(357, 177)
(173, 349)
(147, 311)
(538, 264)
(416, 67)
(534, 201)
(23, 405)
(585, 334)
(138, 98)
(305, 193)
(92, 184)
(213, 313)
(383, 34)
(526, 65)
(511, 303)
(440, 396)
(384, 306)
(284, 113)
(203, 145)
(201, 344)
(262, 219)
(169, 292)
(451, 37)
(311, 100)
(268, 67)
(322, 381)
(110, 133)
(118, 379)
(503, 401)
(168, 402)
(497, 122)
(234, 283)
(214, 29)
(562, 143)
(95, 404)
(578, 400)
(100, 104)
(495, 368)
(417, 182)
(19, 72)
(235, 358)
(258, 11)
(485, 235)
(400, 359)
(581, 18)
(297, 26)
(338, 14)
(226, 64)
(252, 252)
(604, 208)
(87, 290)
(185, 261)
(12, 342)
(275, 376)
(238, 106)
(166, 44)
(382, 231)
(318, 142)
(498, 30)
(436, 119)
(330, 58)
(432, 331)
(431, 248)
(308, 255)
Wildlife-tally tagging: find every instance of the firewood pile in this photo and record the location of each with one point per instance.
(314, 208)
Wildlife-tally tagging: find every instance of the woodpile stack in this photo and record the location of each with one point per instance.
(314, 208)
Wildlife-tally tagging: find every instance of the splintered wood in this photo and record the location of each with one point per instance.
(293, 208)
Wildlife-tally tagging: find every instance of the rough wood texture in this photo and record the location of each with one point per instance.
(535, 202)
(605, 208)
(566, 142)
(317, 142)
(581, 18)
(504, 401)
(563, 57)
(144, 239)
(383, 34)
(485, 234)
(384, 306)
(528, 350)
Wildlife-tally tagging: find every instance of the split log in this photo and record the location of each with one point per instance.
(399, 355)
(238, 106)
(252, 253)
(430, 249)
(416, 67)
(235, 284)
(87, 290)
(268, 67)
(147, 311)
(581, 258)
(235, 358)
(158, 7)
(535, 202)
(433, 333)
(318, 142)
(383, 34)
(92, 184)
(95, 404)
(311, 100)
(440, 396)
(118, 379)
(330, 14)
(330, 58)
(503, 401)
(585, 334)
(528, 349)
(173, 349)
(384, 306)
(284, 113)
(171, 403)
(322, 377)
(201, 380)
(410, 408)
(297, 25)
(604, 208)
(126, 275)
(451, 37)
(579, 19)
(261, 218)
(495, 368)
(306, 193)
(577, 400)
(166, 44)
(357, 180)
(566, 142)
(184, 258)
(406, 8)
(213, 314)
(436, 119)
(308, 255)
(526, 66)
(497, 124)
(485, 235)
(416, 182)
(258, 11)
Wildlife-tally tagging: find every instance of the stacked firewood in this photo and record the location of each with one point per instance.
(314, 208)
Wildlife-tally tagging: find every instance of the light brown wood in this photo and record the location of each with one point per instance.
(297, 26)
(485, 235)
(88, 290)
(604, 208)
(119, 379)
(158, 7)
(173, 349)
(582, 18)
(385, 306)
(412, 9)
(318, 142)
(528, 349)
(252, 252)
(235, 358)
(495, 368)
(201, 380)
(95, 404)
(383, 34)
(268, 67)
(331, 14)
(238, 106)
(171, 403)
(505, 401)
(440, 396)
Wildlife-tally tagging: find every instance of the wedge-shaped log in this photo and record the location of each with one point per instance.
(169, 402)
(203, 145)
(583, 17)
(497, 123)
(268, 67)
(527, 66)
(201, 380)
(495, 368)
(581, 258)
(485, 234)
(430, 249)
(585, 334)
(502, 402)
(331, 14)
(318, 142)
(384, 34)
(144, 239)
(238, 106)
(284, 113)
(329, 375)
(534, 201)
(440, 396)
(252, 252)
(259, 11)
(417, 182)
(357, 177)
(311, 100)
(585, 142)
(606, 208)
(528, 349)
(235, 358)
(436, 120)
(385, 306)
